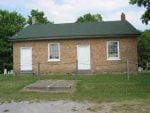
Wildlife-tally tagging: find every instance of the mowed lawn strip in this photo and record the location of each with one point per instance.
(96, 88)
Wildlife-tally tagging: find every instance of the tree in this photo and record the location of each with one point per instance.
(39, 15)
(90, 18)
(146, 3)
(144, 48)
(10, 23)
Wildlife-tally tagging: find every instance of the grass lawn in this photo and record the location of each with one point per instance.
(96, 88)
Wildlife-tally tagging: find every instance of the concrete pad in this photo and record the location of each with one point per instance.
(51, 85)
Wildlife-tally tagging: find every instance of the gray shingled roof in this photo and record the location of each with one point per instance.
(76, 30)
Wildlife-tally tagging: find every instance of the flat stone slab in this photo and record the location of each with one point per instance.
(51, 85)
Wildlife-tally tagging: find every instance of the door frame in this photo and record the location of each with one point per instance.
(20, 57)
(77, 56)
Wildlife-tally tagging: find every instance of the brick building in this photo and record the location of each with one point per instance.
(75, 47)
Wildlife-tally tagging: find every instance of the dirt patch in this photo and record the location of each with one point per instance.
(131, 107)
(100, 108)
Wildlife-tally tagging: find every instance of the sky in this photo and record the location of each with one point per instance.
(67, 11)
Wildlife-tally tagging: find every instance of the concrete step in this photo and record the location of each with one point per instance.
(26, 72)
(84, 72)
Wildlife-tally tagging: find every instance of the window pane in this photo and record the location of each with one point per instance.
(113, 49)
(54, 51)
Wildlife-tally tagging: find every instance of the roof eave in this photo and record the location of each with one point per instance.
(74, 37)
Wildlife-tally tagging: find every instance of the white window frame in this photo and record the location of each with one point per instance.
(118, 47)
(53, 60)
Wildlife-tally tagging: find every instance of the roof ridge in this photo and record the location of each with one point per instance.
(75, 23)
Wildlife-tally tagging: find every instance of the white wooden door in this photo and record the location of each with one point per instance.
(83, 57)
(26, 58)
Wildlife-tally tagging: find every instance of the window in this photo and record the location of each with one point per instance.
(53, 52)
(113, 50)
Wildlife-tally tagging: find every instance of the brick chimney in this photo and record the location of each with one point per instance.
(34, 20)
(123, 16)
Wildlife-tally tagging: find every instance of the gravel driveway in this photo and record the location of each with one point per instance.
(53, 107)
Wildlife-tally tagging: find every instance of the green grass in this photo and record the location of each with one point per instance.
(97, 88)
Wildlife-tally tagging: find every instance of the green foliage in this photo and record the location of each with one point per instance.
(90, 18)
(144, 48)
(10, 23)
(39, 15)
(146, 3)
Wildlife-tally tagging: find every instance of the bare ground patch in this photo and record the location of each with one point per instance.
(131, 107)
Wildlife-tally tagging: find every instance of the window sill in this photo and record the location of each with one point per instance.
(113, 59)
(53, 60)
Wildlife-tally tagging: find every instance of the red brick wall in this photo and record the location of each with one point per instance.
(68, 55)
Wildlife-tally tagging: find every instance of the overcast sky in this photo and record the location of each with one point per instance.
(67, 11)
